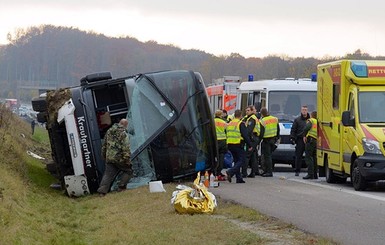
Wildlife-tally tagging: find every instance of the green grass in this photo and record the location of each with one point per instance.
(40, 135)
(32, 213)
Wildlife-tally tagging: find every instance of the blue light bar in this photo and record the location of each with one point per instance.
(251, 77)
(314, 77)
(359, 68)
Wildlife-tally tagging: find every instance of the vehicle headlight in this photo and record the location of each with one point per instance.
(371, 146)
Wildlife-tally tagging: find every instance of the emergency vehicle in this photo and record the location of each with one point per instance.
(351, 118)
(11, 104)
(222, 93)
(283, 98)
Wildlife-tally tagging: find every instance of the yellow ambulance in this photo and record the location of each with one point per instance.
(351, 118)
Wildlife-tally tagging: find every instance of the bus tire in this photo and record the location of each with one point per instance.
(39, 104)
(41, 117)
(358, 181)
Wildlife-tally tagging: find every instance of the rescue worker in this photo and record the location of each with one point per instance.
(236, 133)
(252, 125)
(116, 153)
(220, 127)
(310, 140)
(296, 137)
(269, 134)
(226, 117)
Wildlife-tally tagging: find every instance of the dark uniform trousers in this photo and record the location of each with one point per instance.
(310, 156)
(251, 160)
(266, 151)
(299, 150)
(238, 152)
(111, 171)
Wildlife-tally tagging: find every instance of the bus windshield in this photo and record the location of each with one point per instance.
(286, 105)
(148, 113)
(170, 125)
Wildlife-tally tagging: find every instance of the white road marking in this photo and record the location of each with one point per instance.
(357, 193)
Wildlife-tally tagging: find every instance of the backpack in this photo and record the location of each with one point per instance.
(228, 161)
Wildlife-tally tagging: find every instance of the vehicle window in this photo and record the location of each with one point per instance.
(336, 96)
(286, 105)
(370, 106)
(351, 106)
(148, 113)
(177, 86)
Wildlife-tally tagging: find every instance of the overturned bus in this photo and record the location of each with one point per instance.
(171, 129)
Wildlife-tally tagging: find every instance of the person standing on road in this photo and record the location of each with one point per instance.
(116, 152)
(269, 135)
(220, 127)
(252, 125)
(297, 139)
(310, 140)
(236, 139)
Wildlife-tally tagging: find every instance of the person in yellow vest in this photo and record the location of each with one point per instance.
(226, 117)
(269, 133)
(310, 140)
(236, 133)
(220, 128)
(252, 125)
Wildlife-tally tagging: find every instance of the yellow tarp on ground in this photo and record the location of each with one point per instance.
(194, 200)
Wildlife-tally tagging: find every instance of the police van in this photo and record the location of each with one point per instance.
(283, 98)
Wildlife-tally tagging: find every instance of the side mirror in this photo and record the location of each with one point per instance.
(347, 120)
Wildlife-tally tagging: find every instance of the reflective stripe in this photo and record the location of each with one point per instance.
(234, 132)
(313, 131)
(270, 123)
(256, 128)
(220, 126)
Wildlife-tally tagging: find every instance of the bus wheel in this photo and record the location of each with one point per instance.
(41, 117)
(39, 104)
(358, 180)
(330, 177)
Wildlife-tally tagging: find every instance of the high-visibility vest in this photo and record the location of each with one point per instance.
(270, 123)
(233, 132)
(220, 127)
(313, 131)
(256, 128)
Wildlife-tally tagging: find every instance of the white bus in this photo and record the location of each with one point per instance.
(283, 98)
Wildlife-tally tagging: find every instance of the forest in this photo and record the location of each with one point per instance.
(63, 55)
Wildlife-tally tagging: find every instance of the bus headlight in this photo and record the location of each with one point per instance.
(371, 146)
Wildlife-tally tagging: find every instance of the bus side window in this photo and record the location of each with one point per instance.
(104, 119)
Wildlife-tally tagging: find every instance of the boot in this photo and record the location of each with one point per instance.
(308, 177)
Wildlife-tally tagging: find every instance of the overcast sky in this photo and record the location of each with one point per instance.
(252, 28)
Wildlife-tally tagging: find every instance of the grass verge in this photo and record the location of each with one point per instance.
(32, 213)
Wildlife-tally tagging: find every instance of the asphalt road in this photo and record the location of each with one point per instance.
(334, 211)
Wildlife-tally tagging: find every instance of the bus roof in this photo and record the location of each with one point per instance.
(278, 85)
